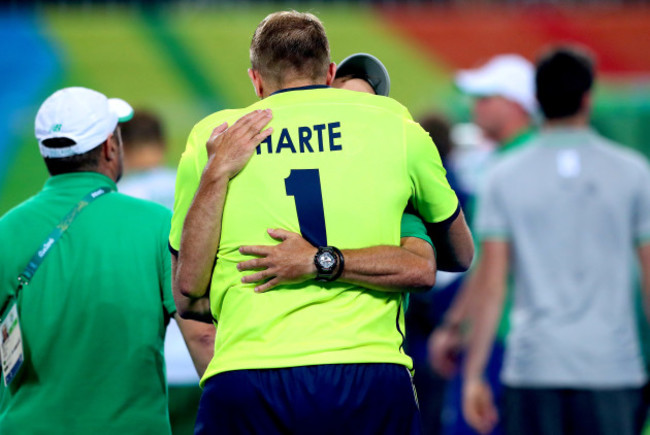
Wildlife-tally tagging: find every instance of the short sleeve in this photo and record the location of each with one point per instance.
(432, 196)
(187, 182)
(641, 215)
(491, 220)
(412, 226)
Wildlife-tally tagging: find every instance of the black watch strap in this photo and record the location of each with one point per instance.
(341, 263)
(329, 263)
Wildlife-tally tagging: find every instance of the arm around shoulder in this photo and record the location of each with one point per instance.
(453, 242)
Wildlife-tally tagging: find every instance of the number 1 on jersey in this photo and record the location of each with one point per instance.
(304, 186)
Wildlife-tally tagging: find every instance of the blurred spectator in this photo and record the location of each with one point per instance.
(472, 151)
(439, 129)
(504, 108)
(145, 175)
(569, 214)
(425, 309)
(146, 178)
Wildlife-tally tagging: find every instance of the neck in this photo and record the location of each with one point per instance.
(579, 120)
(143, 158)
(106, 171)
(511, 129)
(111, 168)
(288, 84)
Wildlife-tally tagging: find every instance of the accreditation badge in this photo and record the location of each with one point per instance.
(11, 343)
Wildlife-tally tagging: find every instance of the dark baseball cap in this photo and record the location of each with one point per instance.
(367, 67)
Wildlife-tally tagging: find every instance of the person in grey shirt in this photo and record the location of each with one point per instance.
(568, 215)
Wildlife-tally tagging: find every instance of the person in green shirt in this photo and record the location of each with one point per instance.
(504, 108)
(93, 317)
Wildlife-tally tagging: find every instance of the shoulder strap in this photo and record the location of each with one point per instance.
(54, 236)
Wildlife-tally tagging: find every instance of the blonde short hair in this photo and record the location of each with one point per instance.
(290, 43)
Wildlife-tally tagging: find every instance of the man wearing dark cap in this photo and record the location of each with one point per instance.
(85, 285)
(362, 72)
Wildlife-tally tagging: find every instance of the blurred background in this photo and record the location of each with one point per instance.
(186, 59)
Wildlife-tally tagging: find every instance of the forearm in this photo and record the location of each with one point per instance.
(193, 308)
(189, 307)
(482, 335)
(458, 315)
(199, 339)
(644, 260)
(460, 311)
(200, 238)
(409, 267)
(454, 244)
(192, 271)
(389, 269)
(487, 288)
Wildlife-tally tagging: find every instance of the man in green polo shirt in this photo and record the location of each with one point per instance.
(94, 314)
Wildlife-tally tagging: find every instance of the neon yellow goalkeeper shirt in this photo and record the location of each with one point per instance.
(340, 168)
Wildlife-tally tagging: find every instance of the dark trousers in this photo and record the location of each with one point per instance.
(554, 411)
(324, 399)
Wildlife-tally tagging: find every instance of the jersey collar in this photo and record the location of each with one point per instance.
(518, 140)
(563, 135)
(300, 88)
(79, 179)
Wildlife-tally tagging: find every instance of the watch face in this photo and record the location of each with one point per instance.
(326, 260)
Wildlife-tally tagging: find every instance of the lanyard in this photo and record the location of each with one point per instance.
(12, 349)
(55, 235)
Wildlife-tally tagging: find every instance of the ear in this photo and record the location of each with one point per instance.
(111, 148)
(331, 73)
(257, 82)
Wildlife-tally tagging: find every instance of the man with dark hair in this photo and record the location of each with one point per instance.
(145, 175)
(362, 72)
(74, 163)
(571, 214)
(561, 95)
(99, 297)
(321, 356)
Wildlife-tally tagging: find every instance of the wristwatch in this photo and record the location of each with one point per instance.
(327, 259)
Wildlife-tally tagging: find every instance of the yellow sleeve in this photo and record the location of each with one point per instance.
(190, 169)
(432, 197)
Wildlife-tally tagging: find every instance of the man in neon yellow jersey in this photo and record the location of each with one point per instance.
(284, 262)
(324, 355)
(359, 72)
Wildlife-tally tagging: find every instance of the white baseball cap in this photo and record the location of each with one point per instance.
(369, 68)
(508, 75)
(80, 114)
